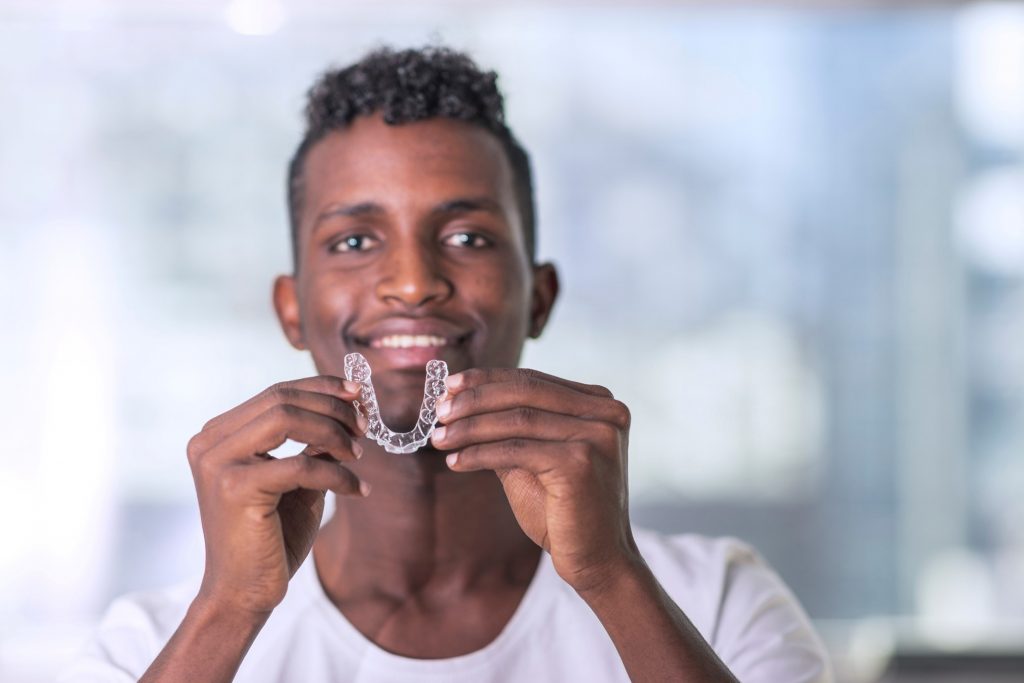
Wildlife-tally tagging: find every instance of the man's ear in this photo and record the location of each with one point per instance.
(542, 300)
(286, 303)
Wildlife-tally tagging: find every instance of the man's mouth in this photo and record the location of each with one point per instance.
(405, 345)
(409, 341)
(413, 340)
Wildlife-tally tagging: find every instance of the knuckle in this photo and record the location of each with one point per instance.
(469, 397)
(460, 428)
(274, 390)
(523, 416)
(525, 382)
(605, 432)
(205, 468)
(347, 480)
(580, 459)
(621, 415)
(337, 432)
(231, 484)
(473, 375)
(283, 411)
(322, 428)
(339, 407)
(574, 450)
(282, 392)
(513, 446)
(196, 447)
(302, 464)
(332, 382)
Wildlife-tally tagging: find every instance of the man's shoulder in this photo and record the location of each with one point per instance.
(738, 603)
(136, 626)
(151, 614)
(694, 556)
(708, 576)
(130, 633)
(161, 609)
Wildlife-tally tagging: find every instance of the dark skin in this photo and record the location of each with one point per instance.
(411, 233)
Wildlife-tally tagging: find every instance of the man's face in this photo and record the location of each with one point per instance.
(411, 248)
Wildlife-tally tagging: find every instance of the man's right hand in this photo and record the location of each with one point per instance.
(261, 514)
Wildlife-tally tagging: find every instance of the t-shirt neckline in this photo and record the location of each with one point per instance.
(527, 612)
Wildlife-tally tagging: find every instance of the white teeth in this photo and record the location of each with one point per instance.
(406, 341)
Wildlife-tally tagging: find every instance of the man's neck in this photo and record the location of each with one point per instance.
(423, 531)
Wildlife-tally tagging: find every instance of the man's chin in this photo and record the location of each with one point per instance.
(400, 421)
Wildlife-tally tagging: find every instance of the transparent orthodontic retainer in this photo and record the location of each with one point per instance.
(357, 369)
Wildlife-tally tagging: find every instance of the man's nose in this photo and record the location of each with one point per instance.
(412, 277)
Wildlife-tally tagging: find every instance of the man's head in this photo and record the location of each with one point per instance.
(404, 87)
(412, 227)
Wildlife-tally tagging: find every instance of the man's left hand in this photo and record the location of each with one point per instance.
(559, 449)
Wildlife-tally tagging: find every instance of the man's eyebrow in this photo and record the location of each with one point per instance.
(371, 208)
(468, 204)
(350, 211)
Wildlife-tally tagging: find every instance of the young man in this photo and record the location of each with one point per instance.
(413, 232)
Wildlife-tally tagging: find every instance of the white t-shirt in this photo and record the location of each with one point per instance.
(735, 600)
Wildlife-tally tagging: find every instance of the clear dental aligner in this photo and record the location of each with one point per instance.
(358, 370)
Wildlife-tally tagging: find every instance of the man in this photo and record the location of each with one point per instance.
(414, 238)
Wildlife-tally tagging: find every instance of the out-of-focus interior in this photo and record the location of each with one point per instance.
(829, 363)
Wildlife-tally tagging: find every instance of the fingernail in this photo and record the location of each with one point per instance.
(350, 386)
(439, 434)
(364, 488)
(451, 459)
(357, 450)
(444, 408)
(453, 381)
(362, 422)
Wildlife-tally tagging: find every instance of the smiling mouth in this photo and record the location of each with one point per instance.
(412, 341)
(408, 341)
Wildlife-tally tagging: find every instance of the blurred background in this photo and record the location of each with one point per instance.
(827, 361)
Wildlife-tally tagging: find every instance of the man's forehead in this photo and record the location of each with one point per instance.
(407, 167)
(371, 152)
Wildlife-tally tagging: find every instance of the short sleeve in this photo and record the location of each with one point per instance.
(129, 637)
(762, 633)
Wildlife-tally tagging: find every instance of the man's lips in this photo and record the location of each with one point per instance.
(406, 341)
(411, 342)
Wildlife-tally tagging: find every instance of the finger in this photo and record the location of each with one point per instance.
(323, 394)
(522, 423)
(477, 376)
(536, 457)
(327, 404)
(281, 422)
(278, 476)
(324, 384)
(532, 391)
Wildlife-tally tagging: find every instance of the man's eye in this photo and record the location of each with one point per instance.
(354, 243)
(467, 239)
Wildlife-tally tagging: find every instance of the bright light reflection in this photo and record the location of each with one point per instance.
(990, 72)
(255, 17)
(74, 494)
(990, 222)
(956, 599)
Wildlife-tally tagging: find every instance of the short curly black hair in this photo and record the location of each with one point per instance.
(406, 86)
